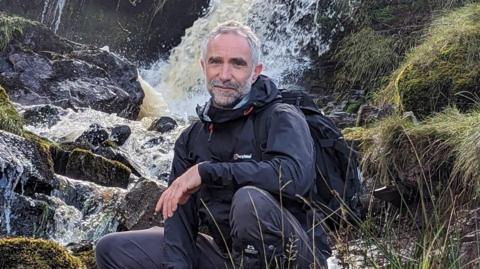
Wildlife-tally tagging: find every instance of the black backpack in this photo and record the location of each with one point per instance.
(338, 178)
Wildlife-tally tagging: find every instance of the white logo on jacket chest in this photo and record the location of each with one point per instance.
(237, 156)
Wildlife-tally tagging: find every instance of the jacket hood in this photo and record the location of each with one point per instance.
(263, 93)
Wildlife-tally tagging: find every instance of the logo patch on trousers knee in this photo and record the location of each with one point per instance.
(250, 250)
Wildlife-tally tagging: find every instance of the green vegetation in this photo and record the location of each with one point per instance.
(10, 121)
(444, 70)
(364, 59)
(9, 26)
(84, 165)
(438, 160)
(35, 253)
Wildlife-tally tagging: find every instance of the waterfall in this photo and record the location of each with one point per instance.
(52, 13)
(287, 32)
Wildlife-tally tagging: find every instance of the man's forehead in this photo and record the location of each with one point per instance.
(230, 38)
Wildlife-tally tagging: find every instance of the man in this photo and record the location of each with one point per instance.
(246, 192)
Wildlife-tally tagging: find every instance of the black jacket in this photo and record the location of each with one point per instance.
(223, 141)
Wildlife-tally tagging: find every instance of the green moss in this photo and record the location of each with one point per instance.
(84, 165)
(35, 253)
(9, 26)
(10, 121)
(87, 258)
(444, 70)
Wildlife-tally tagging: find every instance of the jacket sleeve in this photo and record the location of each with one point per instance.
(288, 162)
(181, 229)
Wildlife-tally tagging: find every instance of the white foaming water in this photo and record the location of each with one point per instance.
(280, 26)
(56, 13)
(97, 216)
(149, 150)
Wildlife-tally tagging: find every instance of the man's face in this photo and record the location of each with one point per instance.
(228, 68)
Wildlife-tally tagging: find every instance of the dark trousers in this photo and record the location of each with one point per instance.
(264, 235)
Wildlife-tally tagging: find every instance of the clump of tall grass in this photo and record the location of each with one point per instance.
(364, 58)
(9, 26)
(439, 159)
(10, 121)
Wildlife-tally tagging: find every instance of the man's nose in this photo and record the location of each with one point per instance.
(226, 72)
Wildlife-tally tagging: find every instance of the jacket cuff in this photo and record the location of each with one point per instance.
(205, 170)
(209, 172)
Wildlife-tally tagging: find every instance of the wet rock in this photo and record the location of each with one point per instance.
(26, 216)
(342, 119)
(68, 75)
(141, 215)
(140, 29)
(153, 142)
(46, 115)
(24, 166)
(35, 253)
(368, 114)
(95, 136)
(119, 156)
(163, 125)
(85, 165)
(120, 134)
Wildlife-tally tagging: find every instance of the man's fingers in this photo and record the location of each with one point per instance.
(159, 205)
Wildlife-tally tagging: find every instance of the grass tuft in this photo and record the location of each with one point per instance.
(9, 26)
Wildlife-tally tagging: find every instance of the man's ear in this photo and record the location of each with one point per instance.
(256, 72)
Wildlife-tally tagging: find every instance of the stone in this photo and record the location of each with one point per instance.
(42, 115)
(141, 215)
(119, 156)
(163, 125)
(142, 30)
(95, 136)
(120, 134)
(84, 165)
(153, 142)
(41, 68)
(368, 114)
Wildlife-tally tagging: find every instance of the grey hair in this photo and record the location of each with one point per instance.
(239, 29)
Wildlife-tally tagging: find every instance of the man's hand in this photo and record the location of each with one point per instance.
(179, 192)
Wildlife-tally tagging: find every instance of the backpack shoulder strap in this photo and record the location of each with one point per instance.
(260, 124)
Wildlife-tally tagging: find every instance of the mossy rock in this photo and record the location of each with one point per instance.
(443, 71)
(35, 253)
(10, 121)
(84, 165)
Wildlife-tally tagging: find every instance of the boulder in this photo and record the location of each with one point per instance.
(42, 115)
(41, 68)
(94, 136)
(163, 125)
(140, 29)
(120, 134)
(85, 165)
(140, 215)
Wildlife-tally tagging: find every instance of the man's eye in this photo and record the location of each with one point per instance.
(214, 61)
(239, 63)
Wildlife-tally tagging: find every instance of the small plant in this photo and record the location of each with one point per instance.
(9, 26)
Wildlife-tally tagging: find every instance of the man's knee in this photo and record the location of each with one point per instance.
(107, 248)
(251, 203)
